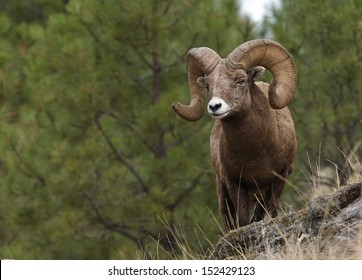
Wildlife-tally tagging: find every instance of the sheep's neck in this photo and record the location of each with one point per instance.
(252, 134)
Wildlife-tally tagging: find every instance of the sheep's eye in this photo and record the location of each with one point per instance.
(240, 81)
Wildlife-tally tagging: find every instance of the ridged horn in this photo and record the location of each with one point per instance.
(200, 61)
(276, 59)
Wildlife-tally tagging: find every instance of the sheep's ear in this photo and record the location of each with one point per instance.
(255, 73)
(201, 82)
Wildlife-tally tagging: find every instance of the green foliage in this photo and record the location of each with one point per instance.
(92, 154)
(94, 162)
(31, 11)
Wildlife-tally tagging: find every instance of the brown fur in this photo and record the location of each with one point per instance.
(247, 149)
(253, 141)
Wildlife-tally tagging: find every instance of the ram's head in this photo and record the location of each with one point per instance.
(229, 81)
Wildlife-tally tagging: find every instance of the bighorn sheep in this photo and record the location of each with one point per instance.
(253, 141)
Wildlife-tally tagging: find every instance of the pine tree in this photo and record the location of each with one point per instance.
(95, 157)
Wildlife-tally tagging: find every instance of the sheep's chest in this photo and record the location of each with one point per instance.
(251, 172)
(252, 164)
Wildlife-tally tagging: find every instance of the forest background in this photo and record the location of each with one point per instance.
(93, 162)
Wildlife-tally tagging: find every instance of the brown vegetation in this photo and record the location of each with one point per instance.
(328, 228)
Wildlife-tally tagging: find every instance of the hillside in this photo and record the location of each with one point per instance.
(328, 228)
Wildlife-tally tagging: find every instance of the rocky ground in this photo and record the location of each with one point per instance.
(328, 228)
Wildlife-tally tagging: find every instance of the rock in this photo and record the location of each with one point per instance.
(328, 228)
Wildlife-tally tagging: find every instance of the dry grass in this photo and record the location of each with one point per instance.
(318, 250)
(304, 249)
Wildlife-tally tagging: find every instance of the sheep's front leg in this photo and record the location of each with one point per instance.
(273, 197)
(239, 196)
(226, 206)
(259, 210)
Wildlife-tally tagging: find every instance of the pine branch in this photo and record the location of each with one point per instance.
(121, 158)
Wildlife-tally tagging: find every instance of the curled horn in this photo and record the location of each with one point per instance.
(200, 61)
(276, 59)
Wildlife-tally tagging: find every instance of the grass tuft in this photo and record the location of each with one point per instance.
(322, 180)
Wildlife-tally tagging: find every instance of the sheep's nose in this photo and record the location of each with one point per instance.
(214, 107)
(217, 107)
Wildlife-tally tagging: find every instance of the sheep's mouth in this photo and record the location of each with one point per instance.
(219, 116)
